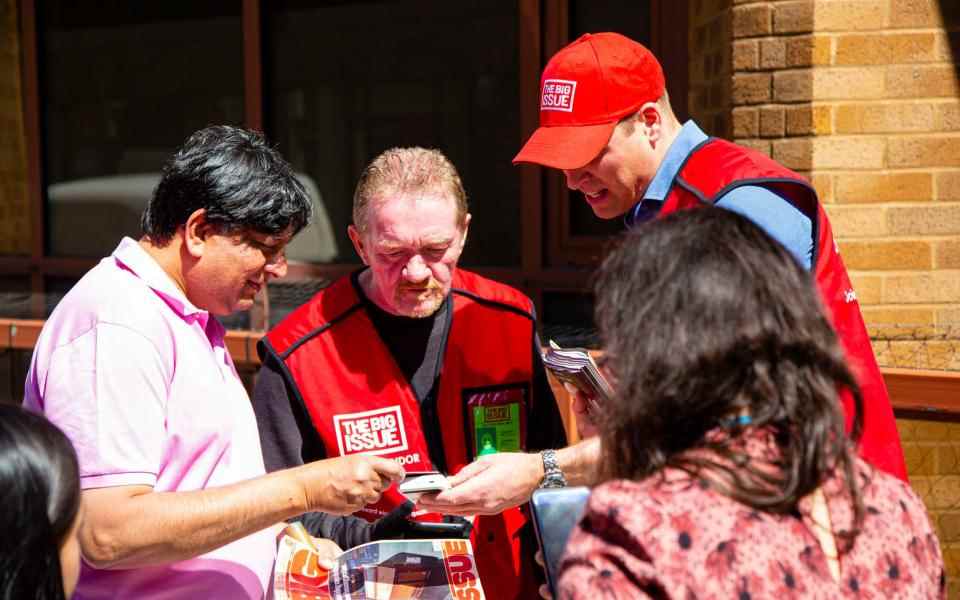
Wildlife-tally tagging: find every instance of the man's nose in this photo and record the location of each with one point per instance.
(574, 177)
(416, 269)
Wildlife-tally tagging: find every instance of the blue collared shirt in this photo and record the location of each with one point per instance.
(771, 211)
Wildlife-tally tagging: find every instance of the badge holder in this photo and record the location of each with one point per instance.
(495, 419)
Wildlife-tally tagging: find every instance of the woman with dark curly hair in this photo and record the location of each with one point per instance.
(729, 471)
(39, 508)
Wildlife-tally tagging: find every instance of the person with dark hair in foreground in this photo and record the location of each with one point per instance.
(728, 470)
(40, 496)
(133, 366)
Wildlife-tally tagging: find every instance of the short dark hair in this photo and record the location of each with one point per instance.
(233, 173)
(703, 315)
(40, 496)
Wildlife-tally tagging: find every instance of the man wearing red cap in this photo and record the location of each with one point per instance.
(607, 123)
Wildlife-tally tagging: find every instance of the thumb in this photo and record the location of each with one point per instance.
(469, 471)
(387, 468)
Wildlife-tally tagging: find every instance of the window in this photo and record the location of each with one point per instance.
(111, 88)
(347, 80)
(121, 85)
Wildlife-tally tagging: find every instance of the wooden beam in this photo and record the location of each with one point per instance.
(252, 65)
(31, 123)
(531, 192)
(923, 391)
(21, 334)
(30, 78)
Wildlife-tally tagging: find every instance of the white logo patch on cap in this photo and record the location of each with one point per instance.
(557, 94)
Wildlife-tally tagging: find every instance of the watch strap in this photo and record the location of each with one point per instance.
(552, 475)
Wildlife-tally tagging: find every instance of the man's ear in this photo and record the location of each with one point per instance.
(650, 119)
(196, 231)
(357, 240)
(465, 229)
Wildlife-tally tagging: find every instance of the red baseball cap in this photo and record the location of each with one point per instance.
(586, 88)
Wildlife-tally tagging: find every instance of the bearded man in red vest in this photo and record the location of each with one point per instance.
(413, 359)
(607, 123)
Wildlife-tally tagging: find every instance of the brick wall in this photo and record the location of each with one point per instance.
(14, 213)
(862, 97)
(898, 203)
(932, 450)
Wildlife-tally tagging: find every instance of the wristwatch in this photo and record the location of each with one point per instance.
(552, 475)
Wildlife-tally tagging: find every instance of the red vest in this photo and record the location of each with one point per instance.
(360, 402)
(718, 166)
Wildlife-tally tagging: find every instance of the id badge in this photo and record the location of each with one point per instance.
(496, 419)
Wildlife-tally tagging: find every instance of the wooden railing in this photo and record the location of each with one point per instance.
(913, 392)
(22, 334)
(922, 391)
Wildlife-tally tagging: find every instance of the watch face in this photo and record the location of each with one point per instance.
(554, 480)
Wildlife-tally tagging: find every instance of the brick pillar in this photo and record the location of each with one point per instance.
(892, 163)
(14, 212)
(862, 97)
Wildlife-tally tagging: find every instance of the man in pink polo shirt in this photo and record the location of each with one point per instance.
(132, 365)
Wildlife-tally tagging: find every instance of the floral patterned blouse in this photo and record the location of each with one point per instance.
(677, 538)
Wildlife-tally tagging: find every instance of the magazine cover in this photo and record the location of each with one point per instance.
(384, 570)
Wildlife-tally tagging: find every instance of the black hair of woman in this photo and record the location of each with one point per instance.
(40, 496)
(704, 317)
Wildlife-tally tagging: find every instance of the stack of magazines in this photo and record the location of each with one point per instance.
(385, 570)
(576, 369)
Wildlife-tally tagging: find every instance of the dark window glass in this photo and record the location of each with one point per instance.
(347, 80)
(15, 297)
(631, 19)
(14, 365)
(567, 318)
(123, 84)
(55, 288)
(14, 284)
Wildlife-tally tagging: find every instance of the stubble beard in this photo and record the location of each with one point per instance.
(428, 303)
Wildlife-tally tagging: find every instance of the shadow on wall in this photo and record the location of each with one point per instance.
(81, 208)
(950, 17)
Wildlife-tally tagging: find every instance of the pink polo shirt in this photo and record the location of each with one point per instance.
(142, 383)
